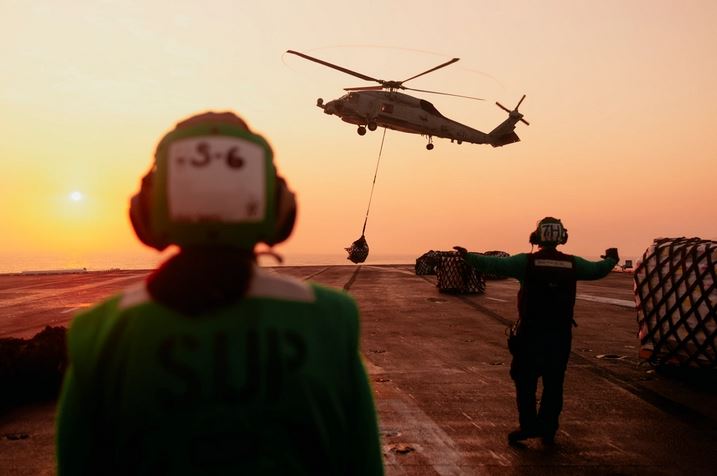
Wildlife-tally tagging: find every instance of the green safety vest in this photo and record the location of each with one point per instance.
(271, 385)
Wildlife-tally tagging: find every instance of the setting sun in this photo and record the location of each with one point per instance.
(76, 196)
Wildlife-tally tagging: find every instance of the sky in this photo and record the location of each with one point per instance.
(620, 96)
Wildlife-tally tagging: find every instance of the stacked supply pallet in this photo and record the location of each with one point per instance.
(456, 276)
(675, 289)
(427, 262)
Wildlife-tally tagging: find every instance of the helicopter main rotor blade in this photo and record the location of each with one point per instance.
(432, 69)
(444, 94)
(365, 88)
(339, 68)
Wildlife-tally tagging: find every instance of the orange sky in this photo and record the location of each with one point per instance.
(621, 99)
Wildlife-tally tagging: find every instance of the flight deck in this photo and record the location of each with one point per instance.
(438, 364)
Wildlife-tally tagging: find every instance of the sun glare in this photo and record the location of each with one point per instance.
(76, 196)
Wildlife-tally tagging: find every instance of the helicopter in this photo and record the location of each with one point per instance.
(371, 107)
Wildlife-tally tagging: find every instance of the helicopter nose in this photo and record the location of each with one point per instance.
(332, 107)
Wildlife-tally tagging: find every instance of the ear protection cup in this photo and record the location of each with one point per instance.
(534, 240)
(139, 206)
(562, 233)
(285, 212)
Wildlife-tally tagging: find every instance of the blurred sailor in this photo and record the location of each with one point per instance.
(215, 365)
(540, 341)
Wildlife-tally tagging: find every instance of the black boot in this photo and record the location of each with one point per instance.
(521, 434)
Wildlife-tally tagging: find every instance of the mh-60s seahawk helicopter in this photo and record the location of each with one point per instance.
(382, 106)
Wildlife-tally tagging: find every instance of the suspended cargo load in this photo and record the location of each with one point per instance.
(358, 251)
(427, 262)
(455, 276)
(675, 289)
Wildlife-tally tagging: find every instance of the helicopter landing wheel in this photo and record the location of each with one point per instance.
(459, 142)
(429, 146)
(372, 126)
(361, 131)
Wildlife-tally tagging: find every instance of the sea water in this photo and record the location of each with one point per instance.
(100, 262)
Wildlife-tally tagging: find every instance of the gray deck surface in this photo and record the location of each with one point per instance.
(439, 370)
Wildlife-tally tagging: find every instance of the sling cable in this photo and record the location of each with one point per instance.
(358, 251)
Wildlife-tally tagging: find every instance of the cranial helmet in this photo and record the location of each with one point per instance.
(213, 182)
(549, 232)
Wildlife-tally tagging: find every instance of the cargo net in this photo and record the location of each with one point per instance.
(676, 301)
(427, 262)
(455, 276)
(358, 251)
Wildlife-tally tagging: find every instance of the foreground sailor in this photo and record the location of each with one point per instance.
(214, 365)
(540, 341)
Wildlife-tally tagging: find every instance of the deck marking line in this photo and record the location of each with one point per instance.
(371, 368)
(496, 299)
(606, 300)
(502, 460)
(445, 458)
(306, 278)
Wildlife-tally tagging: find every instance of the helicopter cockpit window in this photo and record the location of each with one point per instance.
(430, 108)
(353, 98)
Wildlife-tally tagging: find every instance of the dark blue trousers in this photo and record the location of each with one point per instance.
(538, 355)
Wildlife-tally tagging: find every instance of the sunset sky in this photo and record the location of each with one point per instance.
(621, 100)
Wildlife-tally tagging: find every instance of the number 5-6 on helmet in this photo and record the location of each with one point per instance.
(213, 182)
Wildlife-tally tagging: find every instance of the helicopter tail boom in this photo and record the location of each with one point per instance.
(505, 139)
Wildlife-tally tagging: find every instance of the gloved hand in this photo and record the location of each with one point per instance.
(461, 251)
(611, 253)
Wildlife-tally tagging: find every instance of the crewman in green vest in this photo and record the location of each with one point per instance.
(540, 342)
(214, 365)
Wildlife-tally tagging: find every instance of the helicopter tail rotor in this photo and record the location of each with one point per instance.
(514, 112)
(504, 133)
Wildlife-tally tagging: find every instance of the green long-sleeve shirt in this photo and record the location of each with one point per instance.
(516, 266)
(271, 385)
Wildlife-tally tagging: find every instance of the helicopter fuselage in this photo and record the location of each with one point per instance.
(400, 112)
(383, 106)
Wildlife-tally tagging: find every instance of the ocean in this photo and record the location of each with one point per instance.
(149, 260)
